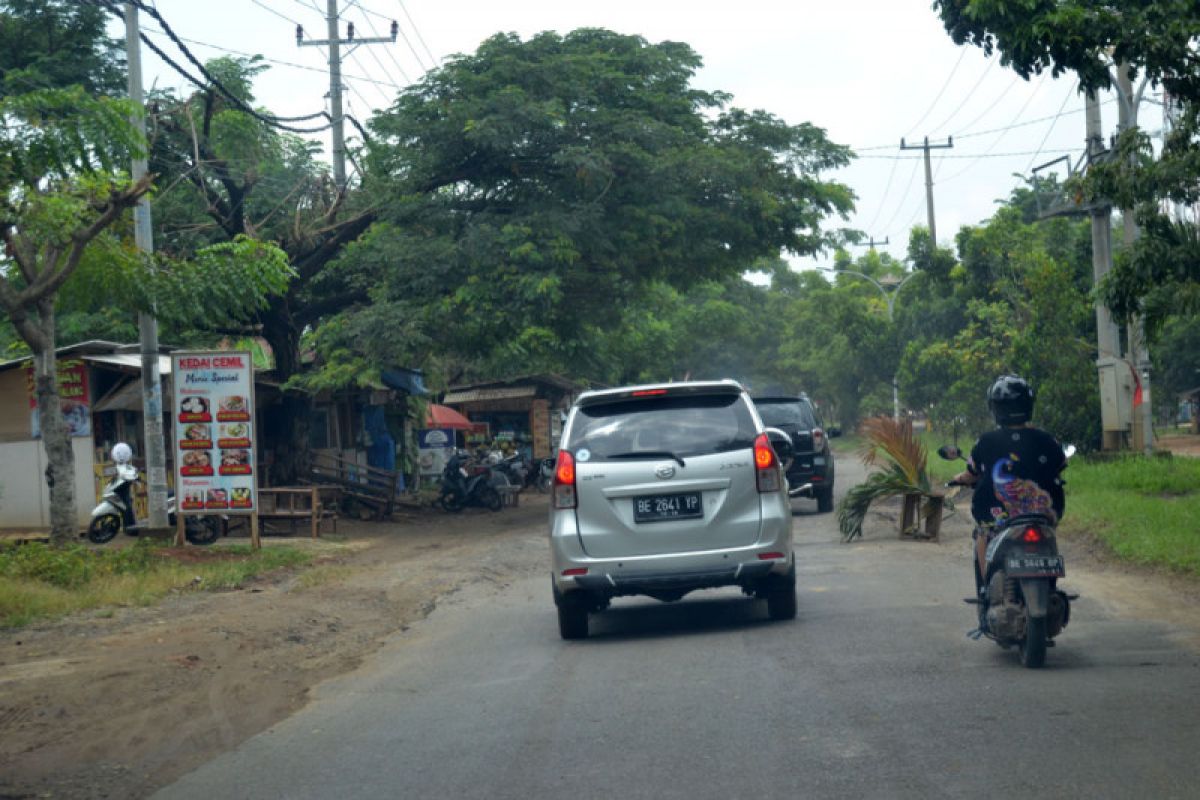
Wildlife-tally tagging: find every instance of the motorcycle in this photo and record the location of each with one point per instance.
(461, 489)
(115, 513)
(544, 477)
(1019, 603)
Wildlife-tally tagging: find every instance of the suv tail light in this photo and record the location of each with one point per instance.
(766, 465)
(564, 481)
(818, 439)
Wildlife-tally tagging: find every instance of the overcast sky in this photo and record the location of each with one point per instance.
(868, 71)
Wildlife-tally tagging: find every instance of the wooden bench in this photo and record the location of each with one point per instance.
(294, 504)
(510, 495)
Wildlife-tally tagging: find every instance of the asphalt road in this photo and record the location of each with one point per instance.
(873, 691)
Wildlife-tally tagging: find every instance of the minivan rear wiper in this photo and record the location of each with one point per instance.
(651, 454)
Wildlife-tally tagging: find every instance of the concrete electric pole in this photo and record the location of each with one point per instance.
(152, 408)
(1108, 338)
(1142, 418)
(335, 42)
(926, 146)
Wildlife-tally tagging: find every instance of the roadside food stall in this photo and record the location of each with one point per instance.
(525, 412)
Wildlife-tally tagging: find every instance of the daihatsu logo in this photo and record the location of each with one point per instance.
(665, 471)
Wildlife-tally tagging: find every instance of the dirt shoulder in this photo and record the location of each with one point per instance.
(117, 704)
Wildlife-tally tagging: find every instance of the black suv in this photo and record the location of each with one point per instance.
(796, 416)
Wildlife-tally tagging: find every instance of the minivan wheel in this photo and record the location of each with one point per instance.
(781, 596)
(572, 614)
(825, 500)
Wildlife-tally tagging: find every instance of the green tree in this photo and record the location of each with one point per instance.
(235, 174)
(1156, 40)
(62, 196)
(532, 192)
(48, 44)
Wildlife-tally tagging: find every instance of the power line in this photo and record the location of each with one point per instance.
(945, 86)
(964, 156)
(1004, 131)
(281, 62)
(375, 32)
(1053, 122)
(233, 99)
(903, 195)
(417, 31)
(883, 198)
(991, 63)
(387, 99)
(1016, 79)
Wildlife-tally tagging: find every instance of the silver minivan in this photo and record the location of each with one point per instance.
(663, 489)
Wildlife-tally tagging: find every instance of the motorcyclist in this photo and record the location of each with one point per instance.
(122, 456)
(1015, 469)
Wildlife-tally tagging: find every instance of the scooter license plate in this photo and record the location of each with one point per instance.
(1035, 566)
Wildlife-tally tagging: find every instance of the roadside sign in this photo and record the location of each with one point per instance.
(215, 440)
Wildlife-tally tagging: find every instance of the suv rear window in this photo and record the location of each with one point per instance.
(682, 425)
(786, 411)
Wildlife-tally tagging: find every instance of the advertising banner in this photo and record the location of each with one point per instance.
(215, 440)
(73, 397)
(434, 447)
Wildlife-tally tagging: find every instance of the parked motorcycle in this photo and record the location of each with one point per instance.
(545, 475)
(461, 489)
(115, 512)
(1021, 603)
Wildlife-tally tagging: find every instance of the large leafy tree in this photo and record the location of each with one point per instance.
(1157, 41)
(237, 173)
(62, 199)
(48, 44)
(533, 191)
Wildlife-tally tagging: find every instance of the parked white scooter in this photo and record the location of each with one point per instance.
(115, 511)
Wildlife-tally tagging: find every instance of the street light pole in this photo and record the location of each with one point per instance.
(889, 297)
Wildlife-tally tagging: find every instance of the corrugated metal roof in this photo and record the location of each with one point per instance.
(130, 361)
(498, 393)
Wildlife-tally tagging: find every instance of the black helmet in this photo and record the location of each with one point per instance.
(1010, 400)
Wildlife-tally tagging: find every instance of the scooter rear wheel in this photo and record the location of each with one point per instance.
(103, 528)
(451, 501)
(202, 530)
(1033, 647)
(490, 498)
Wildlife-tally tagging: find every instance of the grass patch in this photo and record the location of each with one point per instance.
(41, 582)
(323, 575)
(1144, 509)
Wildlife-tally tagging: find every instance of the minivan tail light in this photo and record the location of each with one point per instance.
(766, 465)
(818, 438)
(564, 481)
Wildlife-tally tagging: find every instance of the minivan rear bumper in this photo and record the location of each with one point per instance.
(749, 575)
(672, 573)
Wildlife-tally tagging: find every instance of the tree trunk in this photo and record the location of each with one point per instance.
(292, 456)
(60, 458)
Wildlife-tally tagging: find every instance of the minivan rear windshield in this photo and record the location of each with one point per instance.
(681, 425)
(776, 413)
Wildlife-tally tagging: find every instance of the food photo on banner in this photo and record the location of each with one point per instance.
(214, 431)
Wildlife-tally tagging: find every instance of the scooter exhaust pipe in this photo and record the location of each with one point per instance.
(799, 490)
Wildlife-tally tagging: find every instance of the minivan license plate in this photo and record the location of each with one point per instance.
(662, 507)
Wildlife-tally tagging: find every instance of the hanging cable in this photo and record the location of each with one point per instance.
(945, 86)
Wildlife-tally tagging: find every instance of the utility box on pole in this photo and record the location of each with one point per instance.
(1116, 396)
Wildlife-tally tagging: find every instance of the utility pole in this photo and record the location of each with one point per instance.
(1108, 340)
(335, 42)
(1139, 351)
(872, 243)
(152, 409)
(926, 146)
